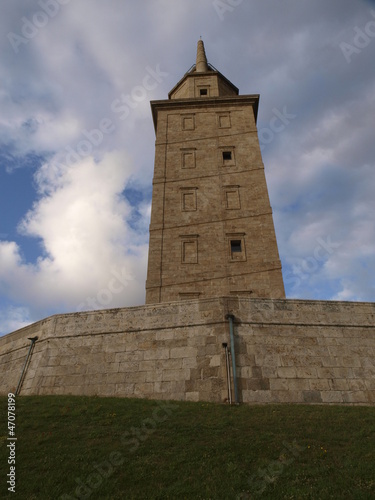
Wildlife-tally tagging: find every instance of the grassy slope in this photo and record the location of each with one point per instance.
(188, 450)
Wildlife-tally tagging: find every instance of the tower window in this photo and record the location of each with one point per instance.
(203, 92)
(235, 246)
(227, 156)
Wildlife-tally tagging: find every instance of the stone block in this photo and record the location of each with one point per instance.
(192, 396)
(184, 352)
(165, 335)
(128, 366)
(299, 384)
(124, 389)
(311, 396)
(171, 364)
(157, 354)
(330, 361)
(154, 376)
(338, 384)
(287, 397)
(134, 377)
(355, 397)
(189, 363)
(209, 350)
(306, 372)
(171, 375)
(319, 385)
(116, 378)
(370, 384)
(257, 396)
(148, 365)
(196, 342)
(332, 396)
(143, 389)
(215, 360)
(268, 371)
(357, 385)
(286, 372)
(53, 361)
(129, 356)
(162, 387)
(279, 384)
(256, 384)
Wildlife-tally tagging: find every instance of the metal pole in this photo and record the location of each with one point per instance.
(230, 317)
(225, 345)
(33, 340)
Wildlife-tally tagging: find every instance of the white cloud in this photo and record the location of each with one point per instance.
(82, 222)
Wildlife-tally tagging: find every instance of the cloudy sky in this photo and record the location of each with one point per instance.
(77, 140)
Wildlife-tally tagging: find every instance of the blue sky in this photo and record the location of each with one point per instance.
(77, 140)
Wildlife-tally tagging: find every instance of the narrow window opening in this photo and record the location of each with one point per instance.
(235, 246)
(203, 92)
(227, 155)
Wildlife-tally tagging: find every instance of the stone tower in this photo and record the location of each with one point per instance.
(211, 231)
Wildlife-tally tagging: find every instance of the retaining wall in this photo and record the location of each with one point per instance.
(290, 351)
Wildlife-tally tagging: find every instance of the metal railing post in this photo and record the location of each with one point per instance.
(230, 317)
(33, 340)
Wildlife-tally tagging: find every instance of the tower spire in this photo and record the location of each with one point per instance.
(201, 65)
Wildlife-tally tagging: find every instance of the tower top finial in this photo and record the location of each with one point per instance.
(201, 65)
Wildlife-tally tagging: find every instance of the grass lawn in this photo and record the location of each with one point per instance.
(110, 448)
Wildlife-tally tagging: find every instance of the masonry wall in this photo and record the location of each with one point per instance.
(286, 351)
(202, 202)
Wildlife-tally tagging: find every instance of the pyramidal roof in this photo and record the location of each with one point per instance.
(205, 68)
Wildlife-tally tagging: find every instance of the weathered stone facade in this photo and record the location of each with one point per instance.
(290, 351)
(211, 231)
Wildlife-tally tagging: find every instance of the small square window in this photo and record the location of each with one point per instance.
(226, 156)
(235, 246)
(203, 92)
